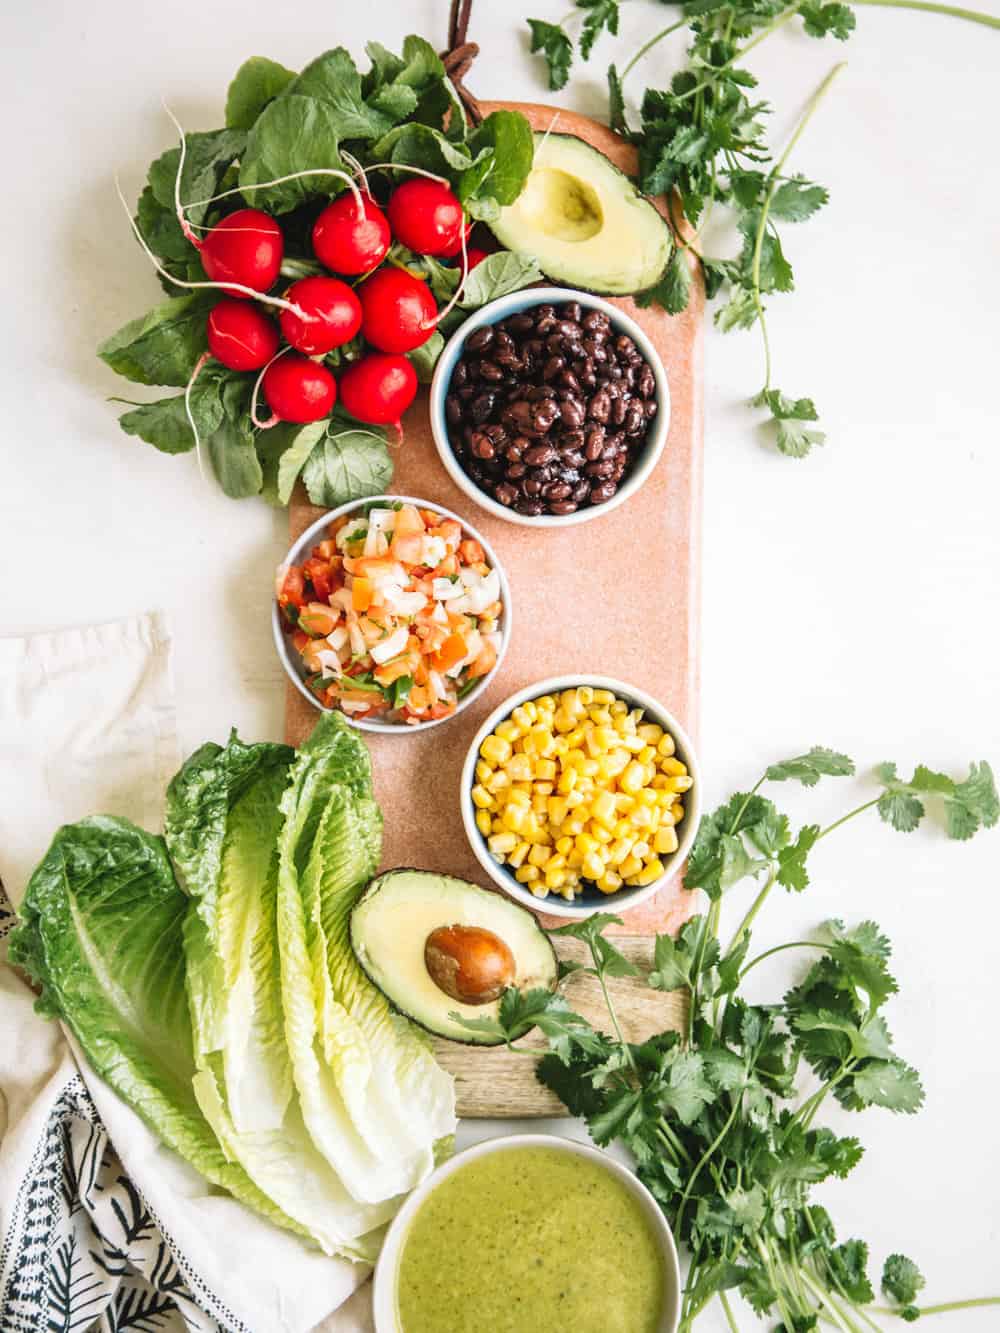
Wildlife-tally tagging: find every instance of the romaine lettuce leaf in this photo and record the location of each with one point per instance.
(101, 934)
(372, 1096)
(223, 821)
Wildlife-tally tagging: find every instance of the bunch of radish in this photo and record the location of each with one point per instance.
(393, 310)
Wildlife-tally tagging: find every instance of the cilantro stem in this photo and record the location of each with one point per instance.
(772, 184)
(755, 907)
(665, 1132)
(728, 1311)
(824, 1299)
(807, 1111)
(706, 1155)
(952, 11)
(858, 809)
(614, 1018)
(978, 1303)
(780, 948)
(746, 801)
(650, 44)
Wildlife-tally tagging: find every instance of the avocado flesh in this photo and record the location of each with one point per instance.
(391, 922)
(585, 222)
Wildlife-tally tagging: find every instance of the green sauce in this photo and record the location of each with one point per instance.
(530, 1240)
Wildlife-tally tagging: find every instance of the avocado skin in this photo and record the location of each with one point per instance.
(583, 283)
(370, 891)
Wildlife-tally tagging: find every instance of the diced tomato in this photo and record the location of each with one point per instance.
(441, 710)
(375, 566)
(292, 591)
(317, 571)
(451, 531)
(361, 593)
(486, 660)
(470, 552)
(408, 522)
(394, 670)
(318, 619)
(447, 567)
(328, 550)
(419, 699)
(420, 673)
(430, 517)
(300, 641)
(451, 651)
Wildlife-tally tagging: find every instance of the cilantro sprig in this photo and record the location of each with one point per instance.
(716, 1117)
(702, 143)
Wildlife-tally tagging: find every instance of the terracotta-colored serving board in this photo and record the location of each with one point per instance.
(617, 596)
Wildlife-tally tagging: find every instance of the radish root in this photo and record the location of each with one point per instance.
(273, 419)
(199, 366)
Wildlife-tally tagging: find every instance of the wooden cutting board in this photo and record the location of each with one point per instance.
(618, 596)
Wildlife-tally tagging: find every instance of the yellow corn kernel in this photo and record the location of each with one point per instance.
(665, 745)
(564, 844)
(585, 842)
(545, 703)
(521, 717)
(642, 817)
(555, 862)
(518, 855)
(545, 770)
(598, 831)
(624, 803)
(525, 874)
(589, 768)
(603, 697)
(646, 754)
(609, 882)
(573, 825)
(619, 849)
(672, 767)
(633, 778)
(670, 815)
(483, 822)
(619, 708)
(518, 796)
(518, 768)
(498, 781)
(646, 797)
(676, 785)
(616, 763)
(513, 818)
(665, 840)
(600, 717)
(575, 799)
(568, 779)
(574, 859)
(544, 788)
(650, 733)
(630, 866)
(495, 750)
(539, 854)
(650, 871)
(501, 843)
(481, 798)
(508, 730)
(543, 742)
(593, 866)
(585, 694)
(483, 770)
(557, 808)
(603, 809)
(562, 723)
(554, 879)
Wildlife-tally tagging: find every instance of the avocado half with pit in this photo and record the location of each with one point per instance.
(585, 222)
(435, 946)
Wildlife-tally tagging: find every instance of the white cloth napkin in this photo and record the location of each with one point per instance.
(98, 1221)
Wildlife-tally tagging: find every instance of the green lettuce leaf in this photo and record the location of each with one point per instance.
(372, 1096)
(101, 934)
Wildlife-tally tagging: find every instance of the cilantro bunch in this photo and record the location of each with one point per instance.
(702, 143)
(716, 1117)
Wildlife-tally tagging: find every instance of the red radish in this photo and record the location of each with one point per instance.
(379, 388)
(398, 310)
(241, 336)
(349, 239)
(334, 315)
(475, 256)
(426, 216)
(298, 389)
(247, 248)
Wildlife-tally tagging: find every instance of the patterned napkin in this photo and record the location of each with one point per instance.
(102, 1229)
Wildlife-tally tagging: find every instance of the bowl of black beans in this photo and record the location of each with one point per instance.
(549, 407)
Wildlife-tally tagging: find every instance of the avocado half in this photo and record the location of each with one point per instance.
(585, 222)
(390, 925)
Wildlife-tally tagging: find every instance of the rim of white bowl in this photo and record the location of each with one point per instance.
(386, 1270)
(625, 899)
(492, 313)
(294, 556)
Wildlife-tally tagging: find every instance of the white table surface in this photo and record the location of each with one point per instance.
(849, 600)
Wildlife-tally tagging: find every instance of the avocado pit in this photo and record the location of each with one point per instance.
(469, 963)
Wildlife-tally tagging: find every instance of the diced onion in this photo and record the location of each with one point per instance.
(391, 646)
(445, 589)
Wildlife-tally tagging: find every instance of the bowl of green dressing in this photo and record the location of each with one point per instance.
(528, 1234)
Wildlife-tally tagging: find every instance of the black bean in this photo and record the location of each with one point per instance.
(570, 440)
(557, 490)
(635, 418)
(545, 325)
(573, 413)
(599, 494)
(619, 407)
(599, 406)
(571, 310)
(490, 371)
(520, 324)
(516, 471)
(595, 319)
(505, 494)
(650, 408)
(540, 455)
(544, 416)
(480, 338)
(518, 415)
(572, 458)
(552, 367)
(452, 410)
(599, 469)
(481, 407)
(567, 380)
(512, 454)
(595, 443)
(563, 506)
(531, 508)
(581, 491)
(459, 375)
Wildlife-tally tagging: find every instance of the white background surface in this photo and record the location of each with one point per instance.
(849, 600)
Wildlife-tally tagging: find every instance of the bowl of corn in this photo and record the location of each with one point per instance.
(580, 794)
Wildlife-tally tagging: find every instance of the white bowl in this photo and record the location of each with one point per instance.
(300, 552)
(386, 1272)
(648, 455)
(592, 900)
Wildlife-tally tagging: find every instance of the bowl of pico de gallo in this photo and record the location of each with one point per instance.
(393, 610)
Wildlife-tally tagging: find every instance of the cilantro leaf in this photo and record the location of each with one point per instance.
(849, 1264)
(673, 291)
(819, 761)
(792, 873)
(551, 40)
(968, 805)
(520, 1011)
(608, 961)
(616, 102)
(902, 1280)
(797, 199)
(889, 1083)
(819, 19)
(600, 14)
(675, 961)
(719, 857)
(686, 1090)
